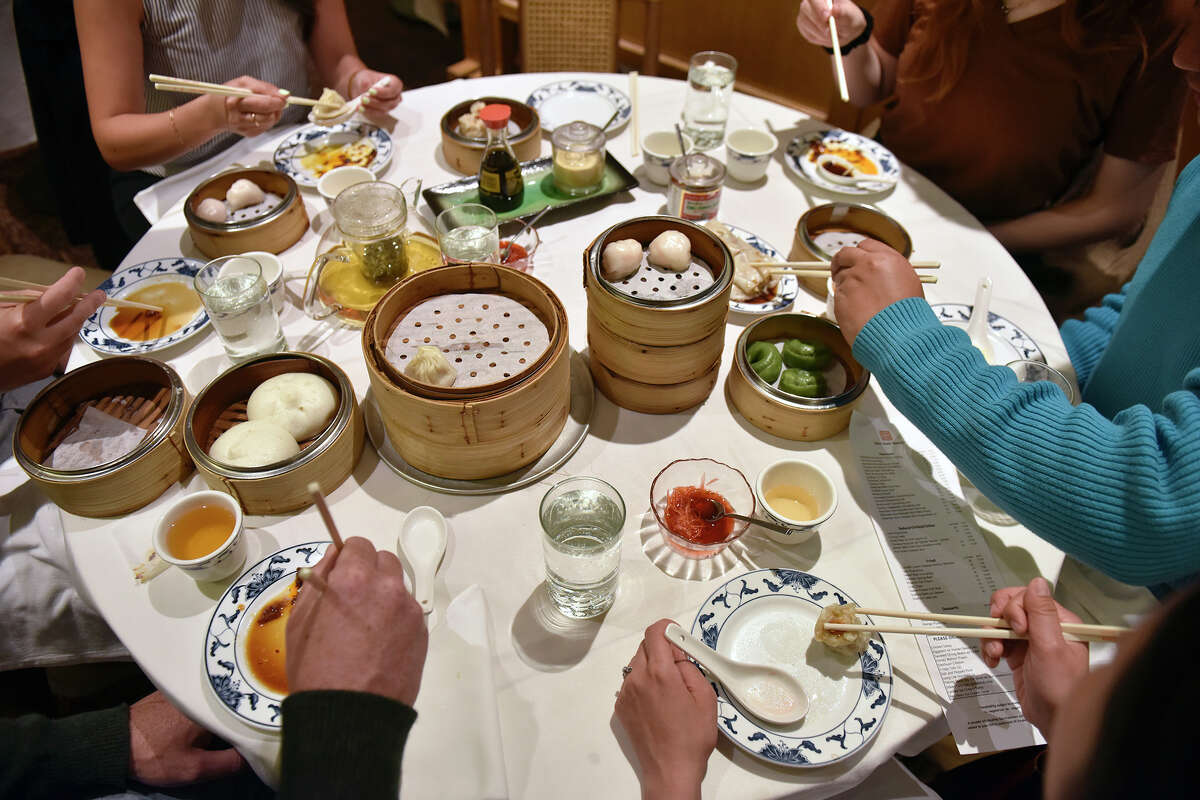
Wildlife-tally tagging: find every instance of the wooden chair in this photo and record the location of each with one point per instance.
(555, 35)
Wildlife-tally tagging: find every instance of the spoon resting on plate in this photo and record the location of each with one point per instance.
(836, 169)
(769, 693)
(421, 545)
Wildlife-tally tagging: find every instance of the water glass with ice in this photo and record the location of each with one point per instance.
(238, 301)
(709, 92)
(582, 519)
(467, 233)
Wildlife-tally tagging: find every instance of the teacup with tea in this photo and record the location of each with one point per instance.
(798, 494)
(201, 533)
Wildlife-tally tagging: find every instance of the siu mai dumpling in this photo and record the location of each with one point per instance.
(431, 367)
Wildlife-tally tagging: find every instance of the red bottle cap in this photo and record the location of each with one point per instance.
(495, 115)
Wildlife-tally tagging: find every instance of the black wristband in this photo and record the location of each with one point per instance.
(861, 39)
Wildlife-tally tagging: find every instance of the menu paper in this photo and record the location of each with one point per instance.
(942, 564)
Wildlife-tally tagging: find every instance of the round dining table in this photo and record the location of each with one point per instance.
(516, 700)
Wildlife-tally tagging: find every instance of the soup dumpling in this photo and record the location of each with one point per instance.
(430, 366)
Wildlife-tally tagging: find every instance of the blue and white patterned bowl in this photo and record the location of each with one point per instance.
(97, 329)
(800, 165)
(313, 137)
(785, 290)
(591, 101)
(768, 617)
(225, 662)
(1009, 343)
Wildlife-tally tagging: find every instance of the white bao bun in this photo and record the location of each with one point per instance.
(671, 250)
(300, 402)
(254, 444)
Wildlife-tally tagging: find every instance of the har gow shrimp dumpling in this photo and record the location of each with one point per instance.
(244, 192)
(621, 259)
(299, 402)
(430, 366)
(671, 250)
(254, 444)
(212, 210)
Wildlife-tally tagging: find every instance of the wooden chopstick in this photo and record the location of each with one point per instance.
(824, 265)
(13, 283)
(825, 273)
(837, 56)
(962, 633)
(314, 491)
(633, 119)
(165, 83)
(1112, 631)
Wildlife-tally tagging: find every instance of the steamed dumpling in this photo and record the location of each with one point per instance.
(621, 259)
(845, 641)
(300, 402)
(244, 192)
(254, 444)
(430, 366)
(212, 209)
(671, 250)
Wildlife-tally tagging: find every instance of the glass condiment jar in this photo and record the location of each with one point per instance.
(695, 187)
(371, 218)
(578, 158)
(501, 187)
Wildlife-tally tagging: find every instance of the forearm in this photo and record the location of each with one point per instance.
(86, 753)
(332, 46)
(1119, 494)
(1074, 223)
(135, 141)
(867, 76)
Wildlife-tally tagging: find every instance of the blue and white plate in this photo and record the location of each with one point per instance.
(97, 329)
(311, 138)
(785, 290)
(1009, 343)
(768, 617)
(799, 161)
(225, 661)
(591, 101)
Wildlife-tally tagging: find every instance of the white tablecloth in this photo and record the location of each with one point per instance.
(555, 681)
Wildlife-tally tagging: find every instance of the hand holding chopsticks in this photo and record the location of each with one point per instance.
(165, 83)
(13, 283)
(821, 269)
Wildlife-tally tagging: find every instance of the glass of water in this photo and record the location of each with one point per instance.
(238, 302)
(582, 519)
(468, 233)
(709, 91)
(1036, 371)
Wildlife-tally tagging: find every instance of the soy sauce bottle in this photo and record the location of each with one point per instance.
(500, 185)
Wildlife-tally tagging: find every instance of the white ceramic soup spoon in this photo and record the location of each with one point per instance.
(768, 693)
(421, 545)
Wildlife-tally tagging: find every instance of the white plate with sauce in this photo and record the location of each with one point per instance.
(800, 159)
(768, 616)
(165, 282)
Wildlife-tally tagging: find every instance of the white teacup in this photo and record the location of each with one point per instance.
(272, 272)
(222, 562)
(659, 149)
(747, 153)
(332, 183)
(811, 479)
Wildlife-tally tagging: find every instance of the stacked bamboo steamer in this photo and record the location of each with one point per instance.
(512, 393)
(655, 339)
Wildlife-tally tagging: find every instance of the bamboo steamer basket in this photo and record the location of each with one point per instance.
(649, 398)
(782, 414)
(274, 232)
(845, 217)
(660, 323)
(492, 429)
(327, 459)
(463, 154)
(646, 363)
(125, 386)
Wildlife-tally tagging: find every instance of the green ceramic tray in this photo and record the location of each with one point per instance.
(540, 190)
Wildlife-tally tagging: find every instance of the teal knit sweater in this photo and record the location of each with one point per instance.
(1115, 481)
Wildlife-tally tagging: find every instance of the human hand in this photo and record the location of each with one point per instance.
(365, 634)
(868, 279)
(812, 21)
(379, 98)
(1046, 666)
(37, 336)
(669, 711)
(165, 747)
(258, 113)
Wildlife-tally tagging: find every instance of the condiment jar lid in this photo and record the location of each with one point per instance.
(495, 115)
(578, 136)
(369, 210)
(697, 169)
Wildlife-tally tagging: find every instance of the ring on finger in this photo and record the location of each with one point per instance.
(625, 670)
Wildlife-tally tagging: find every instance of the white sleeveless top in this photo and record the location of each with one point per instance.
(216, 41)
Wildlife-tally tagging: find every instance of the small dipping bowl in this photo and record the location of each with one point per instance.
(659, 149)
(272, 272)
(707, 474)
(747, 153)
(339, 179)
(220, 563)
(807, 477)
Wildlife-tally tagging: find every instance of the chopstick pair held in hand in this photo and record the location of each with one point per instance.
(38, 333)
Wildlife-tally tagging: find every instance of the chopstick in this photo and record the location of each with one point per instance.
(995, 622)
(13, 283)
(309, 575)
(837, 56)
(633, 119)
(824, 265)
(825, 273)
(165, 83)
(962, 633)
(314, 491)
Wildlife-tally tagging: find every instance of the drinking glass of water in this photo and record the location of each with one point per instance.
(582, 519)
(468, 233)
(709, 91)
(238, 302)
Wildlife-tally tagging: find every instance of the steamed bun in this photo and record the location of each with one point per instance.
(671, 250)
(254, 444)
(212, 210)
(300, 402)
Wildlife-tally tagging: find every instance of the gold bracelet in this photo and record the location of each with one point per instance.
(350, 82)
(178, 135)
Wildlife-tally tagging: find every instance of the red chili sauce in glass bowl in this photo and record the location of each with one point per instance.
(518, 256)
(688, 508)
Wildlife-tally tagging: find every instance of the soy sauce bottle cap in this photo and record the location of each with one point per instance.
(495, 115)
